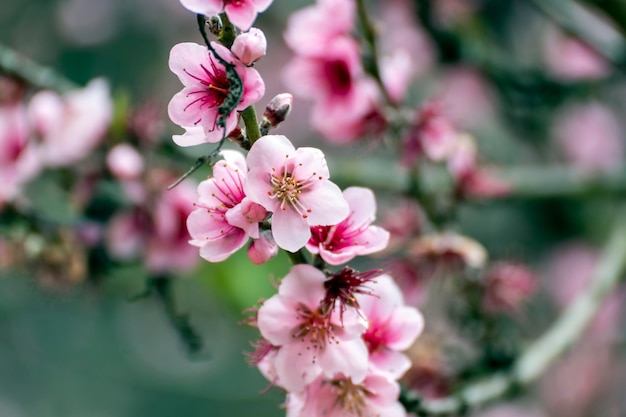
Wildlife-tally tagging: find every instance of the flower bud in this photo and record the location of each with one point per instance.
(262, 249)
(250, 46)
(276, 112)
(125, 162)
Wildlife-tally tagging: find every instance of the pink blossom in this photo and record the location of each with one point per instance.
(337, 84)
(250, 46)
(157, 233)
(262, 249)
(125, 162)
(310, 341)
(341, 396)
(589, 137)
(294, 185)
(71, 126)
(167, 247)
(432, 135)
(19, 161)
(241, 13)
(224, 218)
(508, 285)
(354, 235)
(392, 326)
(572, 60)
(311, 30)
(206, 86)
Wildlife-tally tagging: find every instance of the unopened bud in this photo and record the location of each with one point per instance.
(214, 24)
(276, 112)
(250, 46)
(262, 249)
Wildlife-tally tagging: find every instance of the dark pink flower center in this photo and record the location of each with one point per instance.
(314, 328)
(338, 76)
(339, 236)
(212, 88)
(376, 337)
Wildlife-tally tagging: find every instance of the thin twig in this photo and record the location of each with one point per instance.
(369, 34)
(32, 73)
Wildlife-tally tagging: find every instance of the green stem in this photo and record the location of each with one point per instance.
(536, 359)
(369, 33)
(32, 73)
(229, 33)
(252, 125)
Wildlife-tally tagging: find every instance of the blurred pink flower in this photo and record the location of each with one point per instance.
(250, 46)
(507, 286)
(206, 86)
(572, 60)
(156, 232)
(224, 218)
(19, 158)
(432, 135)
(589, 137)
(392, 326)
(241, 13)
(355, 235)
(125, 162)
(341, 396)
(310, 341)
(73, 125)
(294, 185)
(167, 247)
(312, 29)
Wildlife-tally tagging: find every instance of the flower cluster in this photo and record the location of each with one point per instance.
(333, 341)
(327, 68)
(341, 357)
(50, 131)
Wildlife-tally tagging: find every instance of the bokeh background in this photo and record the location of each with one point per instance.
(89, 350)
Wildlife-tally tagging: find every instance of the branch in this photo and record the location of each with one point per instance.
(536, 359)
(574, 19)
(369, 34)
(527, 182)
(32, 73)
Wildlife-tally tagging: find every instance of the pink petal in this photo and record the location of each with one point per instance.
(236, 218)
(203, 226)
(296, 366)
(337, 257)
(327, 205)
(186, 58)
(206, 7)
(269, 152)
(405, 325)
(372, 240)
(220, 249)
(254, 87)
(392, 362)
(385, 388)
(241, 14)
(194, 135)
(304, 284)
(276, 319)
(236, 158)
(348, 357)
(290, 230)
(362, 204)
